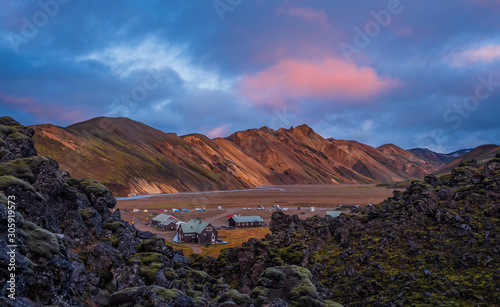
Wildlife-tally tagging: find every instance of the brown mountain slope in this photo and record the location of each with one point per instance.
(132, 158)
(404, 162)
(482, 154)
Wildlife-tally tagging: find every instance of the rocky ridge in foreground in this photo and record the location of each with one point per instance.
(72, 250)
(437, 243)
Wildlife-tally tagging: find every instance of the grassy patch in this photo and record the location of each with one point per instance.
(185, 249)
(234, 238)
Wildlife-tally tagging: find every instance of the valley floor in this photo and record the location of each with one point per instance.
(322, 197)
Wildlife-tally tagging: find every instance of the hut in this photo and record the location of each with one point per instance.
(245, 221)
(197, 231)
(157, 220)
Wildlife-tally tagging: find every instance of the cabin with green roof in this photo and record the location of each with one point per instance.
(245, 221)
(197, 231)
(157, 220)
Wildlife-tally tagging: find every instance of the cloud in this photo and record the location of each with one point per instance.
(153, 53)
(307, 14)
(472, 56)
(221, 131)
(326, 78)
(45, 110)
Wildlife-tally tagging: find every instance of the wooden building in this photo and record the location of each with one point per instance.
(245, 221)
(197, 231)
(157, 220)
(170, 224)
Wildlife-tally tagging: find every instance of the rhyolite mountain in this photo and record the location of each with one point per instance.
(481, 154)
(131, 158)
(73, 250)
(436, 156)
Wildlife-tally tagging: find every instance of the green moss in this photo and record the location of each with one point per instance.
(150, 257)
(170, 274)
(146, 244)
(115, 240)
(292, 254)
(235, 296)
(305, 289)
(133, 260)
(88, 186)
(42, 243)
(17, 136)
(114, 226)
(24, 168)
(166, 294)
(87, 213)
(6, 181)
(149, 272)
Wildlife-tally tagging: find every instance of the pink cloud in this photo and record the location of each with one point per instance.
(307, 14)
(326, 78)
(44, 110)
(486, 53)
(221, 131)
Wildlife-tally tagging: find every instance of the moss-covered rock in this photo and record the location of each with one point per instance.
(149, 272)
(114, 226)
(42, 243)
(6, 181)
(235, 296)
(24, 168)
(88, 186)
(170, 274)
(87, 213)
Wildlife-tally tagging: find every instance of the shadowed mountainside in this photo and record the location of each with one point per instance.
(131, 158)
(438, 157)
(481, 154)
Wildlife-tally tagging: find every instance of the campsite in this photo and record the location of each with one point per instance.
(216, 208)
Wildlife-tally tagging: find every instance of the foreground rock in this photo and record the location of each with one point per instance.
(437, 243)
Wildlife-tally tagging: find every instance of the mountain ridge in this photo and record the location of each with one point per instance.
(132, 158)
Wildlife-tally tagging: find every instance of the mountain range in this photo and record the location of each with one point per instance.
(131, 158)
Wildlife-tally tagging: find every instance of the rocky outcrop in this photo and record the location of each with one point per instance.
(437, 243)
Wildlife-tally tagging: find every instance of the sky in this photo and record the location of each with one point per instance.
(412, 73)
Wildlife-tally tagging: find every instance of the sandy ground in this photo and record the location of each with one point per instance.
(322, 197)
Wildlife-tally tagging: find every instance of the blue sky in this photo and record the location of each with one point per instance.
(412, 73)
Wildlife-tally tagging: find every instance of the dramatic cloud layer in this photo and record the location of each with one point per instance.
(328, 78)
(413, 73)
